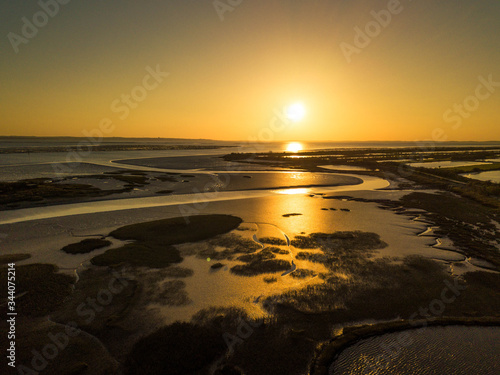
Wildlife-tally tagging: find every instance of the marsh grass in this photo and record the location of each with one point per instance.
(98, 321)
(170, 293)
(467, 223)
(217, 266)
(164, 192)
(140, 254)
(261, 267)
(340, 242)
(86, 246)
(273, 241)
(222, 247)
(82, 355)
(38, 190)
(39, 287)
(181, 348)
(153, 240)
(270, 279)
(12, 258)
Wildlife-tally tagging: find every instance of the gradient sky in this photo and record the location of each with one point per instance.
(228, 77)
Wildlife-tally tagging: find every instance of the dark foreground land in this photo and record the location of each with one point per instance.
(296, 335)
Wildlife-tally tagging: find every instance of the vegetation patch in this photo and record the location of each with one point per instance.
(134, 180)
(139, 254)
(12, 258)
(290, 215)
(467, 223)
(273, 241)
(181, 348)
(170, 293)
(222, 247)
(302, 273)
(265, 254)
(217, 266)
(261, 267)
(340, 241)
(36, 190)
(153, 247)
(40, 289)
(270, 279)
(86, 246)
(101, 287)
(277, 250)
(164, 192)
(80, 355)
(449, 206)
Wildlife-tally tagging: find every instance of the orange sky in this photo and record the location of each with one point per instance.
(226, 78)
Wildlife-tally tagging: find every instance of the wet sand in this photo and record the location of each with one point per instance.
(44, 231)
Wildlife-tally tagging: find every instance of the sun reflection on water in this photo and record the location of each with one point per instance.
(294, 147)
(293, 191)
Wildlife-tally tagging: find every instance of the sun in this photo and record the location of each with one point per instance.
(294, 147)
(295, 112)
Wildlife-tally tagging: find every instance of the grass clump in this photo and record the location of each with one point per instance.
(86, 246)
(339, 241)
(302, 273)
(261, 267)
(273, 241)
(260, 263)
(270, 279)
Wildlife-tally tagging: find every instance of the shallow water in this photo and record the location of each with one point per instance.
(38, 213)
(452, 350)
(447, 164)
(493, 176)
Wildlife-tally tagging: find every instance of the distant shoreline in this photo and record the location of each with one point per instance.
(109, 148)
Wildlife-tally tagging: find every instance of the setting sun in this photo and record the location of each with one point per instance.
(296, 112)
(294, 147)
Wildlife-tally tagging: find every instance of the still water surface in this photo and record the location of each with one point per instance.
(452, 350)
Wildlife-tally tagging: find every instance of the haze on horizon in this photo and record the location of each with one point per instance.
(221, 71)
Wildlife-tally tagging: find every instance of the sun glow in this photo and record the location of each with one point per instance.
(296, 112)
(294, 147)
